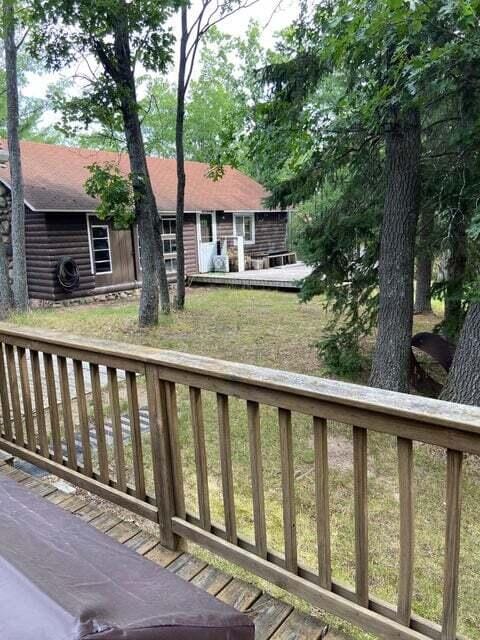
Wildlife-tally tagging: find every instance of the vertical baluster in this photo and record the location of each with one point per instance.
(26, 397)
(172, 413)
(161, 456)
(452, 544)
(39, 403)
(256, 465)
(67, 412)
(320, 443)
(99, 423)
(407, 529)
(14, 395)
(200, 457)
(288, 490)
(137, 453)
(53, 407)
(118, 451)
(361, 514)
(226, 467)
(83, 417)
(5, 403)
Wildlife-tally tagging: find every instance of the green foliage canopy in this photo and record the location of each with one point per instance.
(115, 193)
(342, 75)
(64, 31)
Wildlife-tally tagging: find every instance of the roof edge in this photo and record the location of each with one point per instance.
(9, 186)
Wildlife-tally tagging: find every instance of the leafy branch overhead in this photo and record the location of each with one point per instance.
(67, 31)
(115, 193)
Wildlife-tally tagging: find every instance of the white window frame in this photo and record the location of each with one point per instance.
(165, 236)
(91, 226)
(244, 215)
(169, 236)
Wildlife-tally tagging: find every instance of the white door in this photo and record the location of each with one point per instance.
(207, 240)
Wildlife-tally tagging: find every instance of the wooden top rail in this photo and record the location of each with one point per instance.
(343, 394)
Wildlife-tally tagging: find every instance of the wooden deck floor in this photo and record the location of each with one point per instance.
(273, 618)
(282, 278)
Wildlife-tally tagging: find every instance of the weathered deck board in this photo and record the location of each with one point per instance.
(89, 512)
(211, 579)
(57, 498)
(299, 625)
(268, 614)
(142, 543)
(187, 566)
(239, 594)
(40, 488)
(273, 618)
(105, 522)
(162, 556)
(73, 503)
(123, 531)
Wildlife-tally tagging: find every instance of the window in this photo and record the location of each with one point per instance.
(171, 265)
(206, 227)
(101, 255)
(169, 227)
(245, 226)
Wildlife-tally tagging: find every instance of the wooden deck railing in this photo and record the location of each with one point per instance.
(29, 382)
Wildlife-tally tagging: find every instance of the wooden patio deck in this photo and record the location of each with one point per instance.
(273, 618)
(282, 278)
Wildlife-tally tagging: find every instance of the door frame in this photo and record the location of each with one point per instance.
(199, 232)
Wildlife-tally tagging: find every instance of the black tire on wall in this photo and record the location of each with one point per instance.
(68, 274)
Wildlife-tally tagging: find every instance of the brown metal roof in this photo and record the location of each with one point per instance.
(54, 179)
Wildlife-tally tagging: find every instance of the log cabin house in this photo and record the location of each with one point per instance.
(223, 219)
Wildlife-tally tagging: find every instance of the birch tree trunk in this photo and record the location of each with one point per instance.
(463, 382)
(391, 360)
(20, 286)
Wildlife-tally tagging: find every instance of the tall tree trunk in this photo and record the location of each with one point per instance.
(463, 382)
(6, 297)
(180, 151)
(457, 236)
(456, 268)
(144, 212)
(423, 275)
(20, 286)
(149, 224)
(391, 361)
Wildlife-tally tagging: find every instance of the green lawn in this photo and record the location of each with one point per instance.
(273, 329)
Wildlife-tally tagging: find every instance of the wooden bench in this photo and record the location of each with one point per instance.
(282, 259)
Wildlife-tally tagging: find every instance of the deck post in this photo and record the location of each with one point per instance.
(163, 472)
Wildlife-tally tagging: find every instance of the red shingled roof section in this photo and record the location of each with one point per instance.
(54, 177)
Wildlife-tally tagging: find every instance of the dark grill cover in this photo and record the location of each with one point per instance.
(61, 579)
